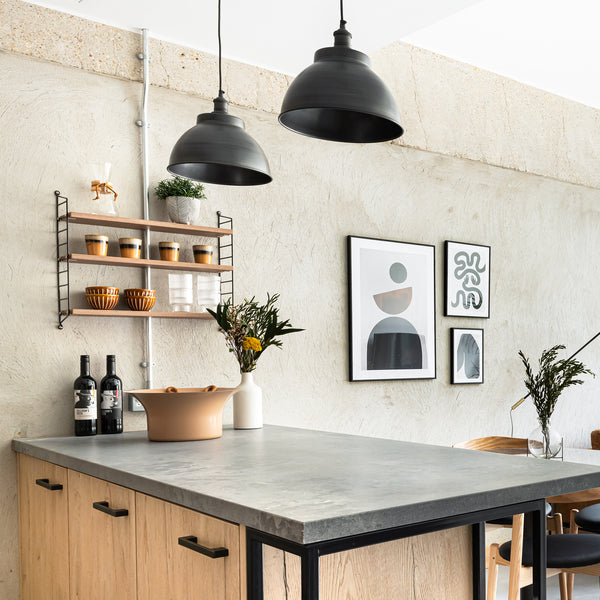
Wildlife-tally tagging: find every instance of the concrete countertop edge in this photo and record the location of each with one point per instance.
(214, 507)
(310, 531)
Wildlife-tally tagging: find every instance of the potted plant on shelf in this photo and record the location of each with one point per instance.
(249, 329)
(183, 198)
(545, 387)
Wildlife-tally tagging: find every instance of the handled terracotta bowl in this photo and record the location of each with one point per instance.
(184, 414)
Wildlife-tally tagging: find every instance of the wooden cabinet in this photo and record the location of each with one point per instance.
(168, 570)
(102, 553)
(44, 529)
(83, 538)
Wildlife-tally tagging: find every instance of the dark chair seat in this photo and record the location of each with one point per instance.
(507, 521)
(589, 518)
(564, 551)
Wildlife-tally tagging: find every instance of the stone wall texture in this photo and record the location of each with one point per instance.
(290, 236)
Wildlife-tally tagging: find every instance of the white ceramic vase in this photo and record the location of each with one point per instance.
(247, 404)
(182, 209)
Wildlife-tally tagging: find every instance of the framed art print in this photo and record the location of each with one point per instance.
(467, 280)
(466, 360)
(391, 291)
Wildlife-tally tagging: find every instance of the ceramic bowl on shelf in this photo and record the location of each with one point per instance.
(102, 289)
(140, 292)
(184, 414)
(140, 299)
(102, 301)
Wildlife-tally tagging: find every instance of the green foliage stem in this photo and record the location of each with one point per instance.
(553, 377)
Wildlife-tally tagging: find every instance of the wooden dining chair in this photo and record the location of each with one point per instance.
(564, 551)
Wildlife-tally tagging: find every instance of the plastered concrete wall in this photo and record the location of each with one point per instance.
(290, 238)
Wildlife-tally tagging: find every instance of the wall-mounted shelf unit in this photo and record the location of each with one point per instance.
(117, 261)
(64, 258)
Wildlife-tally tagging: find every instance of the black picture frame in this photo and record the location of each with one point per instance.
(467, 280)
(466, 356)
(383, 345)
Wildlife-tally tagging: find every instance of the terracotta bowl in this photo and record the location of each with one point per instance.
(140, 302)
(102, 301)
(102, 289)
(184, 415)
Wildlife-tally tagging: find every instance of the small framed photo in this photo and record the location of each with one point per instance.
(466, 360)
(467, 280)
(391, 294)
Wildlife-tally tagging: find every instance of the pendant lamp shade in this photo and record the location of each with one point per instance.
(218, 150)
(339, 98)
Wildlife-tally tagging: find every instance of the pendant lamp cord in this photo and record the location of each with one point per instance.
(221, 92)
(342, 22)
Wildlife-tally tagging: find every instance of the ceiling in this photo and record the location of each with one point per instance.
(537, 42)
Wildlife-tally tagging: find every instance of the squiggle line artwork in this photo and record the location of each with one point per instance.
(468, 270)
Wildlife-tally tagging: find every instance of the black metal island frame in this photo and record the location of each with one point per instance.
(313, 493)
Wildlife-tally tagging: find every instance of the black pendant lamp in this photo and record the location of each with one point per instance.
(217, 149)
(339, 98)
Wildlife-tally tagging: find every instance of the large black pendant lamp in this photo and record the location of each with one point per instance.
(339, 98)
(217, 149)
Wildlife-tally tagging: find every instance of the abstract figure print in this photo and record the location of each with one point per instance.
(392, 321)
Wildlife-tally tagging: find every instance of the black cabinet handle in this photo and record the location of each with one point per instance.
(113, 512)
(191, 542)
(45, 483)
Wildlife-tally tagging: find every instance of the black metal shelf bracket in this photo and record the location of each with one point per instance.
(63, 282)
(226, 257)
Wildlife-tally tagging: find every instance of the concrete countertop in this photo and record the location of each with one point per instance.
(310, 486)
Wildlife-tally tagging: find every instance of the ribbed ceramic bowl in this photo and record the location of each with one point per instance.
(102, 301)
(184, 415)
(139, 292)
(102, 289)
(140, 302)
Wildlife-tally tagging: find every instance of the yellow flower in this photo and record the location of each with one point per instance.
(251, 343)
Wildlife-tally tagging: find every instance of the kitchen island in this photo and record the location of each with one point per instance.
(329, 503)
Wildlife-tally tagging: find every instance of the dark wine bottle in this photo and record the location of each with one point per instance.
(111, 401)
(86, 407)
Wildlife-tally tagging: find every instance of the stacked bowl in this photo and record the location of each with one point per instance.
(102, 297)
(140, 299)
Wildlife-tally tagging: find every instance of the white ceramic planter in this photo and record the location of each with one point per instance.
(247, 404)
(183, 209)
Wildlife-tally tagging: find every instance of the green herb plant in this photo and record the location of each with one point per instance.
(250, 328)
(545, 386)
(178, 186)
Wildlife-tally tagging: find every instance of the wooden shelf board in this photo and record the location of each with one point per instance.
(117, 261)
(162, 226)
(90, 312)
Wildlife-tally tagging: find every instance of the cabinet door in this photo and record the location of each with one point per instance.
(170, 571)
(101, 544)
(43, 529)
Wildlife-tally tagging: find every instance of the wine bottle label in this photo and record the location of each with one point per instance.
(111, 403)
(85, 405)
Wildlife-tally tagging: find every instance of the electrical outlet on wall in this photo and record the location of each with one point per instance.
(134, 404)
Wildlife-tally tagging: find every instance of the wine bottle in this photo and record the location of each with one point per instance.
(86, 408)
(111, 401)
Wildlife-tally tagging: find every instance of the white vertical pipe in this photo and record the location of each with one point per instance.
(148, 359)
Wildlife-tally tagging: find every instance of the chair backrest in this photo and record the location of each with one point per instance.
(596, 439)
(496, 443)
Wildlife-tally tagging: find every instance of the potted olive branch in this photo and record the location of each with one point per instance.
(183, 198)
(249, 329)
(545, 387)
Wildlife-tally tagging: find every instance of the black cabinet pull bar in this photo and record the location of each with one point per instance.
(45, 483)
(113, 512)
(191, 542)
